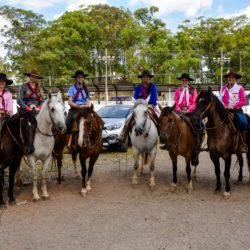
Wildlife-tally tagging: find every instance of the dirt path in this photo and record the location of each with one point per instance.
(117, 215)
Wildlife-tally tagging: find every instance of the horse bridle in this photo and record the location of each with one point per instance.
(206, 110)
(20, 133)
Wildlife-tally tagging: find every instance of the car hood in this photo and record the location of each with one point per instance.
(112, 121)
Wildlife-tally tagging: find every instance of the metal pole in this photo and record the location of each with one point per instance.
(106, 77)
(221, 68)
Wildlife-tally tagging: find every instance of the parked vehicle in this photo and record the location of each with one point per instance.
(114, 117)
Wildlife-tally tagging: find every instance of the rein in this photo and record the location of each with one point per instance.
(20, 134)
(204, 112)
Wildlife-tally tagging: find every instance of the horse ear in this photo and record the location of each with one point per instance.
(160, 107)
(59, 94)
(133, 100)
(49, 95)
(173, 107)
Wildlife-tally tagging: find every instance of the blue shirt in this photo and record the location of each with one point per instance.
(82, 97)
(152, 92)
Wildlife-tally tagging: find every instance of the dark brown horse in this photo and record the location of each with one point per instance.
(87, 142)
(222, 140)
(17, 137)
(179, 140)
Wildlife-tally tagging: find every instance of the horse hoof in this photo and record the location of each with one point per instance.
(226, 195)
(12, 202)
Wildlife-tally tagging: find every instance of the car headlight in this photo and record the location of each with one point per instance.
(114, 126)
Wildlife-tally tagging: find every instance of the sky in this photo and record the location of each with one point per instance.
(172, 12)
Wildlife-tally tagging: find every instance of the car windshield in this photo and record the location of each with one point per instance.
(114, 111)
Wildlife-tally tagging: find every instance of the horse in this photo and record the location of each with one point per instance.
(50, 118)
(180, 139)
(86, 142)
(222, 140)
(17, 138)
(144, 138)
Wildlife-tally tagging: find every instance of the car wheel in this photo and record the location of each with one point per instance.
(124, 146)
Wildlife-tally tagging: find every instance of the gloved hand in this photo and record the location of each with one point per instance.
(27, 108)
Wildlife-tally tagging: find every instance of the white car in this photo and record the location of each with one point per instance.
(114, 117)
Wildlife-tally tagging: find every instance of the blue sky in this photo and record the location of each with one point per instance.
(173, 12)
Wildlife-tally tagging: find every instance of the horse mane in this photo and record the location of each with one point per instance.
(166, 111)
(140, 101)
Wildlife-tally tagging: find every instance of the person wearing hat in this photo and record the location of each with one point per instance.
(78, 96)
(30, 93)
(146, 88)
(185, 96)
(142, 91)
(6, 106)
(232, 96)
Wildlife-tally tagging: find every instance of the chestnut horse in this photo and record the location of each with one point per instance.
(222, 140)
(86, 141)
(179, 140)
(17, 139)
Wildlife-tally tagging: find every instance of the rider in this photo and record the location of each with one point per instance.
(78, 96)
(185, 96)
(30, 93)
(142, 91)
(232, 95)
(6, 106)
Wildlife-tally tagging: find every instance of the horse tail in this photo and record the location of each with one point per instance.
(195, 158)
(146, 158)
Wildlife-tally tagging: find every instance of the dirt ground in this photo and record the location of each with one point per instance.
(117, 215)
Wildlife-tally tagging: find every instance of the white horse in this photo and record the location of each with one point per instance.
(50, 116)
(144, 139)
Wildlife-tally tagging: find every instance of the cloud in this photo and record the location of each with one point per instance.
(188, 7)
(245, 11)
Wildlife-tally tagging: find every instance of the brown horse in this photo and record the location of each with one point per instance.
(17, 139)
(223, 141)
(179, 140)
(87, 142)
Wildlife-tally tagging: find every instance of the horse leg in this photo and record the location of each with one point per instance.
(152, 167)
(188, 171)
(45, 194)
(136, 166)
(74, 158)
(216, 162)
(32, 163)
(2, 203)
(84, 173)
(12, 171)
(92, 161)
(174, 163)
(240, 159)
(226, 194)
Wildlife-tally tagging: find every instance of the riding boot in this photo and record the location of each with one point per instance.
(242, 139)
(127, 127)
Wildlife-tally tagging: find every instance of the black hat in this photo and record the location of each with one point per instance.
(33, 72)
(185, 75)
(145, 73)
(233, 73)
(79, 73)
(4, 77)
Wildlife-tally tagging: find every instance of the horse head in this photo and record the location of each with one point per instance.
(167, 122)
(140, 115)
(25, 124)
(55, 113)
(88, 125)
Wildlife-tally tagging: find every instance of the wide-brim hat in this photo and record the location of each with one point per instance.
(145, 73)
(232, 73)
(79, 73)
(185, 75)
(4, 77)
(33, 72)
